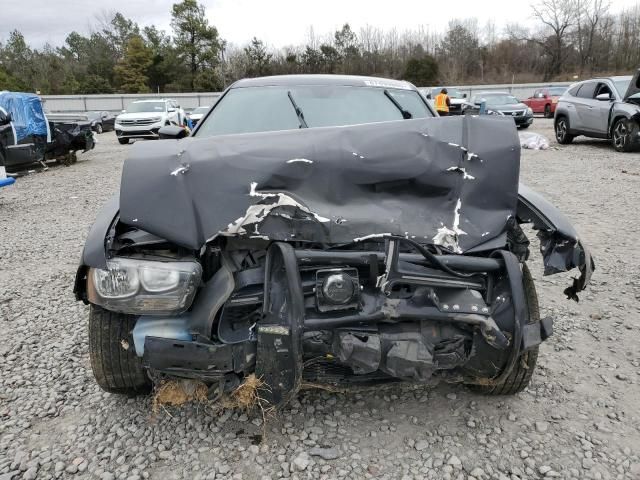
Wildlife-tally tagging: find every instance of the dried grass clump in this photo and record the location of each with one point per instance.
(179, 392)
(247, 395)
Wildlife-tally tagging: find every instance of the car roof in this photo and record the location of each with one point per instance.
(613, 79)
(338, 80)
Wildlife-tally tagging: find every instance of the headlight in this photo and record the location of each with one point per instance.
(529, 112)
(156, 119)
(144, 287)
(554, 100)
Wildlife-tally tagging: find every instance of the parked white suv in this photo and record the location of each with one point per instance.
(143, 118)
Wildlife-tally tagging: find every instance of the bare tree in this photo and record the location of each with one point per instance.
(590, 14)
(557, 17)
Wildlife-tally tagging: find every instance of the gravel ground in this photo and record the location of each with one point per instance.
(580, 417)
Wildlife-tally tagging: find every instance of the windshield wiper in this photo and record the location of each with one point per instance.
(405, 113)
(303, 123)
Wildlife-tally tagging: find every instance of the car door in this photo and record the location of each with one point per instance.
(107, 121)
(536, 102)
(583, 103)
(597, 117)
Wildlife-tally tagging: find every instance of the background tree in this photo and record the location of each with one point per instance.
(131, 71)
(422, 71)
(557, 17)
(570, 39)
(458, 52)
(258, 60)
(196, 42)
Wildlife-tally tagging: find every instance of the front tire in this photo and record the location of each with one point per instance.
(622, 135)
(522, 372)
(522, 127)
(563, 137)
(547, 111)
(99, 128)
(115, 365)
(123, 141)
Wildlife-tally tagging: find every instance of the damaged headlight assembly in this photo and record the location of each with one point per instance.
(139, 287)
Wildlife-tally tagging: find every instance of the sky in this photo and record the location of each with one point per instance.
(278, 23)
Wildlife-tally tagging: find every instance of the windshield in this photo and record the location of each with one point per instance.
(622, 85)
(200, 110)
(137, 107)
(497, 99)
(557, 91)
(262, 109)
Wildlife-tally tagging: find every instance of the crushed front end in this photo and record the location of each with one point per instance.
(364, 254)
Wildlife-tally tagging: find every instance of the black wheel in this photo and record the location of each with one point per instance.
(622, 135)
(522, 371)
(562, 131)
(115, 365)
(547, 111)
(123, 141)
(524, 126)
(99, 128)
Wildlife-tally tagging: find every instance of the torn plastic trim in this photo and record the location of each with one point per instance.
(560, 244)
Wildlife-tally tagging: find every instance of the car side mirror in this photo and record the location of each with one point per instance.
(5, 119)
(172, 132)
(603, 97)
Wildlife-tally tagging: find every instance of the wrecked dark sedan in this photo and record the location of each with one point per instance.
(325, 229)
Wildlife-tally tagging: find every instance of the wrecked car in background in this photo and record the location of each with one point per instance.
(381, 247)
(601, 108)
(24, 130)
(29, 136)
(69, 134)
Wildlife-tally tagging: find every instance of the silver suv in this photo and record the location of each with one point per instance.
(601, 108)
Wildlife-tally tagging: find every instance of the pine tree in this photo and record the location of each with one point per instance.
(131, 71)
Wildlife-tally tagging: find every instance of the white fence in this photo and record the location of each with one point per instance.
(117, 102)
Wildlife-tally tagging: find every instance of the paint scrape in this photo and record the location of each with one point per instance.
(462, 170)
(299, 160)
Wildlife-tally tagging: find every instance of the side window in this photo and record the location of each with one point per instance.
(603, 88)
(538, 94)
(587, 90)
(574, 91)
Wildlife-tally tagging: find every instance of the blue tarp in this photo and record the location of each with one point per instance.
(27, 113)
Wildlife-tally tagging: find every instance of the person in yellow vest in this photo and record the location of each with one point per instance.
(443, 103)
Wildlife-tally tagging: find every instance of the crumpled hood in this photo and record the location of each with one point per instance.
(450, 181)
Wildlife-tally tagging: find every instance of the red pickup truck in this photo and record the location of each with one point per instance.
(544, 100)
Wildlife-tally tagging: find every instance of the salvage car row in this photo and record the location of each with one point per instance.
(30, 136)
(607, 108)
